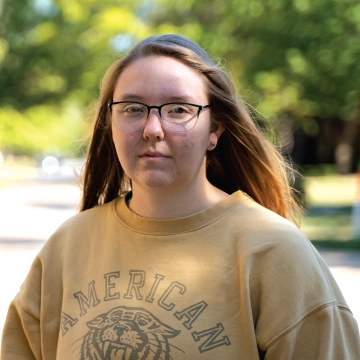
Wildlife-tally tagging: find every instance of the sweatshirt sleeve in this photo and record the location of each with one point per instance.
(21, 334)
(298, 309)
(327, 333)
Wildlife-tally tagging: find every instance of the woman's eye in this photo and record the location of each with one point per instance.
(133, 109)
(178, 110)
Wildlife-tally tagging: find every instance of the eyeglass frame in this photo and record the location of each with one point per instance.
(149, 107)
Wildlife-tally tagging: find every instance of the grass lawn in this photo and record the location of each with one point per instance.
(329, 215)
(336, 190)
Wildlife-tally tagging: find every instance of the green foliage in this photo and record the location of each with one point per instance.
(52, 56)
(294, 59)
(40, 128)
(62, 51)
(297, 57)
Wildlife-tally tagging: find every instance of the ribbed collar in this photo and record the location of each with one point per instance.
(179, 225)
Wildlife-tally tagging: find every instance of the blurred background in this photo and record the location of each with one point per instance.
(296, 63)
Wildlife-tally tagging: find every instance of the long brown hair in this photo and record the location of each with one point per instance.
(244, 159)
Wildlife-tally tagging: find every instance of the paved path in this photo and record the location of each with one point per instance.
(31, 211)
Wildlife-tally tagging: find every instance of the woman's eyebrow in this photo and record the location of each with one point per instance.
(180, 98)
(167, 99)
(133, 97)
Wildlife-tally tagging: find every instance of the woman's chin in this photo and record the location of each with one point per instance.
(155, 181)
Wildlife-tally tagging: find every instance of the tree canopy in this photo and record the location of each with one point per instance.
(294, 59)
(299, 56)
(52, 56)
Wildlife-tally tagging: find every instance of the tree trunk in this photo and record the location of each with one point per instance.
(346, 151)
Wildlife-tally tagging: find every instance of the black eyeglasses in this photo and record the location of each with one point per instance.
(176, 117)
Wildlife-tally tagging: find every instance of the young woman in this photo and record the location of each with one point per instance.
(182, 249)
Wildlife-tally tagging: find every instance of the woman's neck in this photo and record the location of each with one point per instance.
(167, 203)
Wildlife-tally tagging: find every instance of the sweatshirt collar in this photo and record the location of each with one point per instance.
(178, 225)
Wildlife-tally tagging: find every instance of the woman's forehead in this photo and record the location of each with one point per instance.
(159, 76)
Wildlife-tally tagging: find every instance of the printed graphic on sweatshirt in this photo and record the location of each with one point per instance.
(132, 332)
(127, 333)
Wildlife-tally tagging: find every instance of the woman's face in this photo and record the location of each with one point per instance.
(153, 156)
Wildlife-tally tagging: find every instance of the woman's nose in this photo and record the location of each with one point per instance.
(153, 128)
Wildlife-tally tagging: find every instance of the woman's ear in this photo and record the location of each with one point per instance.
(215, 133)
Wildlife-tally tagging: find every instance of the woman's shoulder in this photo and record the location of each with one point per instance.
(90, 217)
(266, 235)
(251, 217)
(80, 226)
(277, 251)
(89, 214)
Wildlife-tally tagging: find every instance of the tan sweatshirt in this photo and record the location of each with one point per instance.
(235, 281)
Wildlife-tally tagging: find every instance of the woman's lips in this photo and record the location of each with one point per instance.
(154, 155)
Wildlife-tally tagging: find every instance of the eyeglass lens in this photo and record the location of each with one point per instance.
(175, 117)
